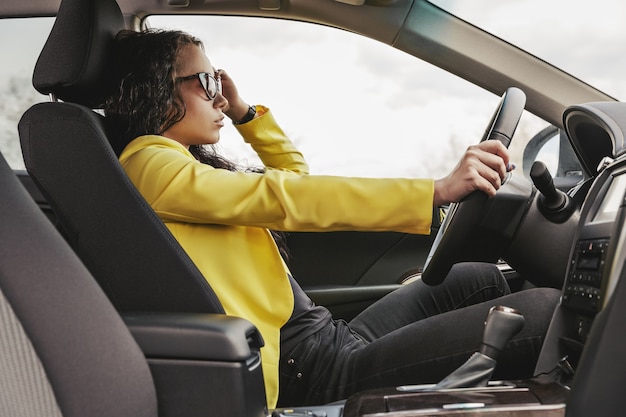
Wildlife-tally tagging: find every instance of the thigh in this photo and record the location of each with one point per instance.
(467, 284)
(313, 372)
(428, 350)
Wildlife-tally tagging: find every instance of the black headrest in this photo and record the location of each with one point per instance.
(74, 64)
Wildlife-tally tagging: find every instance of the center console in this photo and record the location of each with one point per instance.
(536, 397)
(590, 275)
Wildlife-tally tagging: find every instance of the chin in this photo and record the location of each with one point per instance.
(208, 140)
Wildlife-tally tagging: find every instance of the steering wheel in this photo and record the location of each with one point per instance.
(464, 215)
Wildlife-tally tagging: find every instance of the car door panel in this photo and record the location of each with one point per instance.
(355, 258)
(347, 271)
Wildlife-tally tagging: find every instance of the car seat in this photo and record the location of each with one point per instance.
(70, 156)
(65, 350)
(51, 363)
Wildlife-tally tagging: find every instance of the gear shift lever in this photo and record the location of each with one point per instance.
(501, 324)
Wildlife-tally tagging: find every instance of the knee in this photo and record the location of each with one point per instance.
(542, 300)
(482, 273)
(537, 305)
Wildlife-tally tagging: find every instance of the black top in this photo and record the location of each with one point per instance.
(306, 319)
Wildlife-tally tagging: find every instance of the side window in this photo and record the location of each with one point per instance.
(552, 147)
(352, 105)
(21, 41)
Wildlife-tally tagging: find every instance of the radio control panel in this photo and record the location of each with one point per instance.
(584, 280)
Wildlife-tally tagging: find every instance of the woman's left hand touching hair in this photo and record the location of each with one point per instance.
(237, 108)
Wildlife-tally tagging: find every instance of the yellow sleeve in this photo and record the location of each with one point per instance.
(179, 188)
(272, 144)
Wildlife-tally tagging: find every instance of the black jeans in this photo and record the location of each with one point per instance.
(417, 334)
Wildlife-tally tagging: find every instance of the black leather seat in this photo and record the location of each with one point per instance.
(68, 154)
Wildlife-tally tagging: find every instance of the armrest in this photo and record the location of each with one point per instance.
(202, 364)
(194, 336)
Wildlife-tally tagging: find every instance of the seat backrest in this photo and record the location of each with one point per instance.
(69, 155)
(64, 349)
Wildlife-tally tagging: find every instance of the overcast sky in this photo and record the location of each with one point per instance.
(585, 38)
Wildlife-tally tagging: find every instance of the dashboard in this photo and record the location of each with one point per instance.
(596, 131)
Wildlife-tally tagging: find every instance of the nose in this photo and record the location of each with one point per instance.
(220, 102)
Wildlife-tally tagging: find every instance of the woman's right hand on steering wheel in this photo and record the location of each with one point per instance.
(482, 167)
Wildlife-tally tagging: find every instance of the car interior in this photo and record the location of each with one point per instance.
(104, 314)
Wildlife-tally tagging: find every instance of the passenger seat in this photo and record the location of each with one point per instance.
(65, 351)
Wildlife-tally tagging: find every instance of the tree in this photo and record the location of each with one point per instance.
(16, 96)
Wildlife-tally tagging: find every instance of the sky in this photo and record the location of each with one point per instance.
(584, 38)
(355, 106)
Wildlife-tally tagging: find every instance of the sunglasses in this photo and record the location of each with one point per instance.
(211, 84)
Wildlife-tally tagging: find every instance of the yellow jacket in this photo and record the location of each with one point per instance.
(221, 218)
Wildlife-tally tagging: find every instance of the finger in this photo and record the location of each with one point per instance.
(486, 186)
(489, 175)
(485, 154)
(497, 148)
(494, 163)
(222, 73)
(227, 82)
(484, 171)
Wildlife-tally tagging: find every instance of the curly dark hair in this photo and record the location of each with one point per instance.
(146, 98)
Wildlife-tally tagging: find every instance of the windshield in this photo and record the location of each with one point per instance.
(583, 38)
